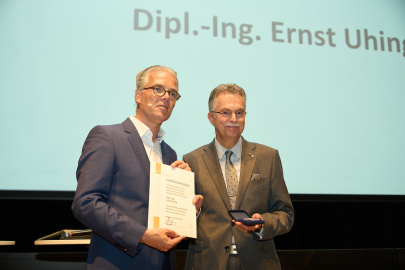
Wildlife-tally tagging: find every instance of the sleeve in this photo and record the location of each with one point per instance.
(186, 159)
(92, 204)
(280, 218)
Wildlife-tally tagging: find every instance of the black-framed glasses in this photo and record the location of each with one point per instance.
(229, 113)
(160, 92)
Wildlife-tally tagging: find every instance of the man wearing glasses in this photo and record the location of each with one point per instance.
(113, 181)
(234, 174)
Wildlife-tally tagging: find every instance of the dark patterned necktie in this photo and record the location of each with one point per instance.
(231, 179)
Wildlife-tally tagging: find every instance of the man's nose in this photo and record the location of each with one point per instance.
(232, 117)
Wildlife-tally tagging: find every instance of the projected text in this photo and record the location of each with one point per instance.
(169, 26)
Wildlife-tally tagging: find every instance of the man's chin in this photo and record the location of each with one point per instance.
(164, 116)
(233, 136)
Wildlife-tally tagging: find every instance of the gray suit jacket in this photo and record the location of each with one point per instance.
(112, 198)
(261, 190)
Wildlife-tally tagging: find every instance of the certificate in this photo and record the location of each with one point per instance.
(171, 193)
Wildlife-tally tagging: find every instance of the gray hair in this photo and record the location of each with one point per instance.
(143, 77)
(225, 88)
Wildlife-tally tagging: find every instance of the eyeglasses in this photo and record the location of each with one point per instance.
(160, 92)
(229, 113)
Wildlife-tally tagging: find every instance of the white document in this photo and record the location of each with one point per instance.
(171, 193)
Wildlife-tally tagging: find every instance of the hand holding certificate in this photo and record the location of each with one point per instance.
(170, 200)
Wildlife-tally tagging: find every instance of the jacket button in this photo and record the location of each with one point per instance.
(227, 248)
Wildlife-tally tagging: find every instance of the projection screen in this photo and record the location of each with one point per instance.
(324, 82)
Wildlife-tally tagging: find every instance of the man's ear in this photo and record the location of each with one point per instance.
(211, 118)
(138, 95)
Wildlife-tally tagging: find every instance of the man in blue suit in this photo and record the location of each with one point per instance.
(112, 193)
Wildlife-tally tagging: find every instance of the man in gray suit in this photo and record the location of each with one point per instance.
(232, 173)
(112, 193)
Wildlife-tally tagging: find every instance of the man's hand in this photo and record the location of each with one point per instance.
(181, 164)
(249, 228)
(198, 202)
(161, 239)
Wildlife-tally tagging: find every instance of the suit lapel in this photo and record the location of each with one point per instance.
(210, 158)
(137, 145)
(246, 169)
(165, 156)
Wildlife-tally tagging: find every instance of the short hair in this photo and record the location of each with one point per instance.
(142, 78)
(225, 88)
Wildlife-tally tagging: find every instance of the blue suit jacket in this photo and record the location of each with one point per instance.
(112, 198)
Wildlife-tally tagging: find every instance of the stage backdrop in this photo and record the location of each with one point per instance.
(324, 82)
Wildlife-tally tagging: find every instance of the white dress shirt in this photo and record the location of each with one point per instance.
(153, 149)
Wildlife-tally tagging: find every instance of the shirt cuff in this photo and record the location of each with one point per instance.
(258, 235)
(198, 214)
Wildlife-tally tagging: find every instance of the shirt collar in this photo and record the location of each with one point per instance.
(143, 129)
(236, 150)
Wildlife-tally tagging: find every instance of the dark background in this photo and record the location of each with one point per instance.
(327, 228)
